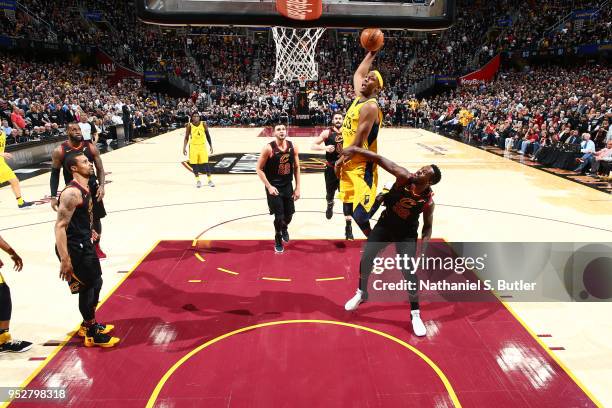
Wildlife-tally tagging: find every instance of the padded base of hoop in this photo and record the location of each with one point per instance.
(304, 10)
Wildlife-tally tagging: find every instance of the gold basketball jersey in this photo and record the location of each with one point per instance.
(2, 144)
(198, 134)
(350, 124)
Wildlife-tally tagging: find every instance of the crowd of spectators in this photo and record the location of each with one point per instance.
(137, 45)
(551, 24)
(38, 99)
(532, 112)
(236, 91)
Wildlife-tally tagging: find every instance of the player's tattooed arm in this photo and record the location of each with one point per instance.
(99, 172)
(261, 164)
(402, 175)
(70, 200)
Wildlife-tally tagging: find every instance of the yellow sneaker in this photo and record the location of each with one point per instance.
(102, 328)
(5, 337)
(101, 340)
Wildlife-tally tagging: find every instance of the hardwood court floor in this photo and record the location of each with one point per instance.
(152, 197)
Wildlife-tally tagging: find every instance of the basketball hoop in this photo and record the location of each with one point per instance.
(295, 54)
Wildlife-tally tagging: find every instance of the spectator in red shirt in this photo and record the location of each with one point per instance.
(489, 133)
(17, 118)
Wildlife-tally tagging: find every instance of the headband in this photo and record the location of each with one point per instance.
(379, 77)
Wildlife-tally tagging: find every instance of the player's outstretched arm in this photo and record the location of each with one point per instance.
(317, 142)
(402, 175)
(362, 71)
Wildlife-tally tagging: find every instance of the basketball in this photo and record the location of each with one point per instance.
(372, 39)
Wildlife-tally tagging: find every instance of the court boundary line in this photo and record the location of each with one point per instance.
(63, 343)
(546, 349)
(445, 381)
(550, 353)
(540, 342)
(539, 167)
(317, 198)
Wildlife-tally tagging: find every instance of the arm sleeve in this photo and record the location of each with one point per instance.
(54, 181)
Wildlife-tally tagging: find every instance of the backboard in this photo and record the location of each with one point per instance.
(411, 15)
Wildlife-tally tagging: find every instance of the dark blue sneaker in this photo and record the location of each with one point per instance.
(25, 204)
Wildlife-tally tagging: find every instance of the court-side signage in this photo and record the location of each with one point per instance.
(245, 163)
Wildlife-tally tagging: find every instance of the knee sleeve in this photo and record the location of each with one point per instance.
(6, 306)
(362, 219)
(347, 209)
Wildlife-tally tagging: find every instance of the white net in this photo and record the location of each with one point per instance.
(295, 53)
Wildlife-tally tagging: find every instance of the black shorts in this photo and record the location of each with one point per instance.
(332, 183)
(85, 264)
(98, 207)
(385, 232)
(282, 204)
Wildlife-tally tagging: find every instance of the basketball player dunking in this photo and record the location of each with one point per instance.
(197, 135)
(330, 141)
(409, 197)
(76, 145)
(74, 236)
(359, 176)
(278, 164)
